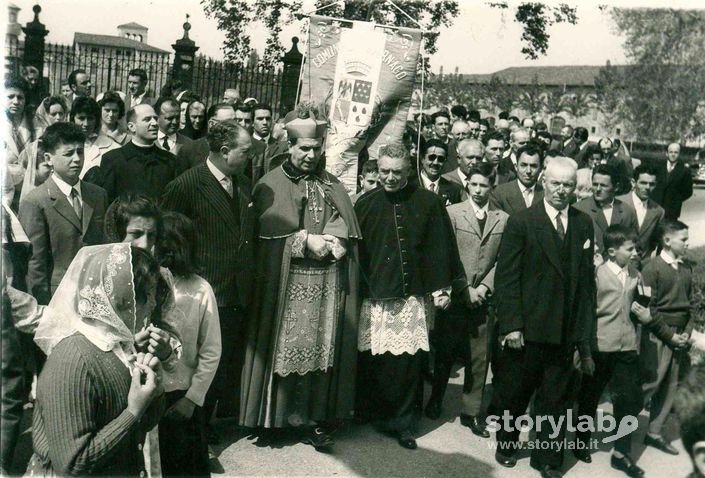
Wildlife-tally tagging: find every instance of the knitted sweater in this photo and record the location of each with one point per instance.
(671, 293)
(81, 425)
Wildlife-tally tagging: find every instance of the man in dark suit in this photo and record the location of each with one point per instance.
(648, 214)
(544, 288)
(508, 164)
(265, 144)
(137, 93)
(434, 155)
(524, 191)
(462, 328)
(603, 207)
(140, 166)
(569, 147)
(674, 184)
(195, 153)
(493, 155)
(580, 136)
(168, 138)
(470, 154)
(216, 196)
(63, 214)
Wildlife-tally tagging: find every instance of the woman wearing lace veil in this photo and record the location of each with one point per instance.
(95, 396)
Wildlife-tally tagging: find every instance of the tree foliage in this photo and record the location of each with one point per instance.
(536, 19)
(233, 17)
(531, 97)
(609, 96)
(578, 104)
(663, 84)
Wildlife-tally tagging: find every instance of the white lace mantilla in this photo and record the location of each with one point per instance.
(395, 325)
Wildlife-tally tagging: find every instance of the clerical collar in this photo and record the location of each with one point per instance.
(141, 146)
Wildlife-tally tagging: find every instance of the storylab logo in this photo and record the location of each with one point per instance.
(601, 423)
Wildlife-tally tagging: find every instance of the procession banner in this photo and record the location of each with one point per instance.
(362, 76)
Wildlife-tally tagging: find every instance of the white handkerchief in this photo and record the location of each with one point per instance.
(587, 244)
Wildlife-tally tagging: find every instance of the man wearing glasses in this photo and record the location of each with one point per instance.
(432, 161)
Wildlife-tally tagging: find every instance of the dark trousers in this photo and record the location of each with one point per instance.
(622, 368)
(390, 389)
(182, 443)
(225, 389)
(546, 370)
(13, 389)
(461, 332)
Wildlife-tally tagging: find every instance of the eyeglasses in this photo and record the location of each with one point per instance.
(435, 157)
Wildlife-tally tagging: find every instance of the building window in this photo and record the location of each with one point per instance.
(619, 131)
(592, 130)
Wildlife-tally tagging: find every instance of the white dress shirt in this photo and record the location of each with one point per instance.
(66, 188)
(607, 211)
(553, 212)
(225, 182)
(640, 207)
(480, 212)
(427, 182)
(136, 100)
(463, 179)
(620, 272)
(171, 140)
(527, 193)
(669, 259)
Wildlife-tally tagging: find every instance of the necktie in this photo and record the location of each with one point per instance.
(76, 203)
(528, 193)
(481, 219)
(559, 226)
(165, 143)
(432, 187)
(228, 186)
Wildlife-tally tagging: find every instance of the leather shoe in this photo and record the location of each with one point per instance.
(660, 443)
(627, 465)
(475, 425)
(406, 439)
(508, 461)
(582, 454)
(548, 471)
(319, 439)
(433, 409)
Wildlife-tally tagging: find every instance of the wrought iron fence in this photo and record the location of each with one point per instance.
(212, 77)
(107, 67)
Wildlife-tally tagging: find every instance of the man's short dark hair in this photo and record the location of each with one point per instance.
(177, 246)
(88, 106)
(213, 109)
(72, 76)
(61, 133)
(617, 234)
(495, 135)
(434, 143)
(139, 72)
(514, 119)
(690, 408)
(483, 169)
(17, 83)
(165, 101)
(532, 149)
(112, 97)
(669, 227)
(459, 111)
(243, 108)
(644, 169)
(439, 114)
(503, 115)
(581, 134)
(262, 106)
(541, 126)
(474, 115)
(126, 207)
(607, 170)
(224, 133)
(485, 122)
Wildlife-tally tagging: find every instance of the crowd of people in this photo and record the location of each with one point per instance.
(168, 262)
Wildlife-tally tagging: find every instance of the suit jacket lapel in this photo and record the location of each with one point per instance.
(469, 215)
(617, 212)
(61, 204)
(516, 198)
(217, 196)
(490, 223)
(598, 215)
(87, 209)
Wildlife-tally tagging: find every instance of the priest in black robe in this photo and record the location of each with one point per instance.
(408, 261)
(301, 354)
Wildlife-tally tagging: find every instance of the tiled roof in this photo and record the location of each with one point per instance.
(570, 75)
(114, 41)
(133, 25)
